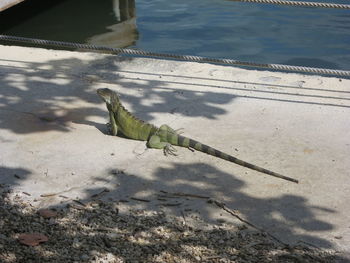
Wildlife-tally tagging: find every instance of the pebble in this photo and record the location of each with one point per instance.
(113, 236)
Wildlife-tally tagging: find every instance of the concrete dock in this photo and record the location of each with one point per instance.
(53, 138)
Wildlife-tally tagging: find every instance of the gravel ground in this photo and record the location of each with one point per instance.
(97, 232)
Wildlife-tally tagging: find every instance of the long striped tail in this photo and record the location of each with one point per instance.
(189, 143)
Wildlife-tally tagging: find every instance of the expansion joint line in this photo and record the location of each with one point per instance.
(137, 52)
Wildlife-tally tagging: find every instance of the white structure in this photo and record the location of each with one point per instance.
(4, 4)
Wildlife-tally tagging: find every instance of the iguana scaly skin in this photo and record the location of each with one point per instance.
(163, 137)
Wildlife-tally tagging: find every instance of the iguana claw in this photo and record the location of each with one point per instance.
(192, 150)
(109, 127)
(169, 149)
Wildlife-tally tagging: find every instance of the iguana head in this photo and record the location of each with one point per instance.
(106, 95)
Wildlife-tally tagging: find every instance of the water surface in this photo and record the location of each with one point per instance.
(317, 37)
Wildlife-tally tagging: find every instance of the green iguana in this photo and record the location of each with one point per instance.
(163, 137)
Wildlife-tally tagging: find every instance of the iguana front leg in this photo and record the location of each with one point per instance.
(113, 128)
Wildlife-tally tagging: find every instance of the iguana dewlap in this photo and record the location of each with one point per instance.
(163, 137)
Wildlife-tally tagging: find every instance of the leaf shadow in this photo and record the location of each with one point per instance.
(100, 231)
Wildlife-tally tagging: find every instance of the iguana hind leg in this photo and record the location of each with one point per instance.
(156, 143)
(166, 129)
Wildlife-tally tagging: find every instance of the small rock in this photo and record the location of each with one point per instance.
(112, 236)
(52, 221)
(84, 257)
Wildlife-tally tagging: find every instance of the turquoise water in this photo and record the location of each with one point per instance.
(315, 37)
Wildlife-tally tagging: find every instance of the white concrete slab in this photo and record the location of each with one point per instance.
(4, 4)
(52, 132)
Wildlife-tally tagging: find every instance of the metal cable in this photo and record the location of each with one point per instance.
(174, 56)
(297, 3)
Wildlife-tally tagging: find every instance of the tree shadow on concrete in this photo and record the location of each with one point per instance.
(39, 97)
(13, 176)
(290, 217)
(95, 230)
